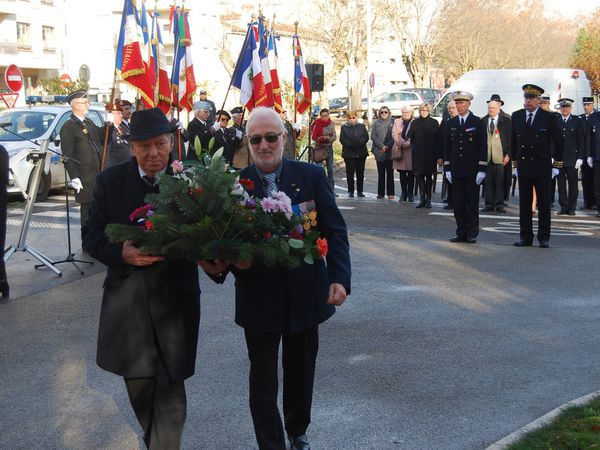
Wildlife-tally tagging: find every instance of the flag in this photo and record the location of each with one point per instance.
(176, 61)
(259, 91)
(162, 89)
(263, 52)
(277, 101)
(146, 48)
(129, 61)
(186, 85)
(301, 86)
(242, 74)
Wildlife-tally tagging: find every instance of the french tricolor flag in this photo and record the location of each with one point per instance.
(301, 85)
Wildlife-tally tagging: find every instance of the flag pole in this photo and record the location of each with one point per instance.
(295, 93)
(238, 62)
(154, 43)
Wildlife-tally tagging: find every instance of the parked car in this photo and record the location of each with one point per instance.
(34, 124)
(431, 96)
(395, 101)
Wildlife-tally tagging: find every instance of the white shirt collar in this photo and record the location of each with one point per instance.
(143, 174)
(79, 117)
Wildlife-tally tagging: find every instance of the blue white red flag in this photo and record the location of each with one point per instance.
(183, 67)
(158, 63)
(301, 85)
(263, 52)
(242, 74)
(277, 101)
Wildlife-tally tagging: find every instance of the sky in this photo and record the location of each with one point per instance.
(570, 8)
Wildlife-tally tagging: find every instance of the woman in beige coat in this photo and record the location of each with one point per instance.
(399, 137)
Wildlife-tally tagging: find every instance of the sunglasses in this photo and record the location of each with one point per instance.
(269, 137)
(223, 119)
(384, 112)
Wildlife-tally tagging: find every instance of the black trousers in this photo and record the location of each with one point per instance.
(587, 185)
(355, 165)
(465, 199)
(83, 213)
(494, 185)
(298, 360)
(160, 406)
(552, 189)
(385, 178)
(507, 181)
(425, 182)
(542, 189)
(568, 189)
(407, 183)
(596, 171)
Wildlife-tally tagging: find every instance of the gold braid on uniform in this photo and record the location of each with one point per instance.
(557, 164)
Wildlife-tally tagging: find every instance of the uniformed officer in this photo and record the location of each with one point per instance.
(593, 154)
(587, 173)
(574, 152)
(533, 132)
(241, 153)
(465, 152)
(199, 126)
(225, 137)
(81, 142)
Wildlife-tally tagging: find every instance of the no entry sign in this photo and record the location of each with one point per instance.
(13, 78)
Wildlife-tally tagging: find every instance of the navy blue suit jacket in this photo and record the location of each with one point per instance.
(277, 299)
(465, 148)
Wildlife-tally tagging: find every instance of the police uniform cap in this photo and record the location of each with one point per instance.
(237, 110)
(462, 96)
(224, 113)
(585, 100)
(75, 95)
(201, 105)
(531, 90)
(202, 91)
(545, 98)
(496, 98)
(565, 101)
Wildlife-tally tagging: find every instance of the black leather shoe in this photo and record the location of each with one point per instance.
(4, 288)
(411, 199)
(471, 240)
(562, 213)
(428, 204)
(571, 213)
(500, 210)
(458, 239)
(351, 194)
(360, 194)
(544, 244)
(448, 207)
(523, 243)
(299, 443)
(378, 197)
(487, 209)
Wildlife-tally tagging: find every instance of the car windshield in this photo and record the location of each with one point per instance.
(26, 124)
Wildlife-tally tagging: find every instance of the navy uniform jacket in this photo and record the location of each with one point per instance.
(465, 148)
(204, 133)
(276, 299)
(531, 146)
(593, 144)
(573, 134)
(140, 305)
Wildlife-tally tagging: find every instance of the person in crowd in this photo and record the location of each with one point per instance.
(533, 133)
(546, 106)
(465, 151)
(241, 154)
(126, 111)
(4, 166)
(397, 137)
(446, 185)
(150, 312)
(200, 126)
(323, 135)
(425, 142)
(289, 151)
(180, 137)
(118, 149)
(573, 134)
(354, 137)
(81, 142)
(593, 155)
(383, 153)
(497, 127)
(278, 305)
(212, 109)
(225, 137)
(587, 173)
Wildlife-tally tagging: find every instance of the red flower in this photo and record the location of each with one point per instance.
(268, 235)
(140, 212)
(322, 247)
(148, 225)
(295, 234)
(247, 183)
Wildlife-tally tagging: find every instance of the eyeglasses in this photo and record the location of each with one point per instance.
(269, 137)
(223, 119)
(384, 112)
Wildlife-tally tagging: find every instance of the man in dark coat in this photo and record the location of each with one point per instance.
(465, 151)
(497, 127)
(81, 142)
(587, 172)
(225, 137)
(573, 134)
(277, 304)
(593, 155)
(200, 126)
(534, 137)
(150, 311)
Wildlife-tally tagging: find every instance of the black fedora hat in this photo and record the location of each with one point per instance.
(149, 123)
(496, 98)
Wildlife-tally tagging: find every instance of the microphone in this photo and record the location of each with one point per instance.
(5, 124)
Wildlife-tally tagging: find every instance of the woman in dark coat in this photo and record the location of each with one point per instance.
(354, 138)
(426, 154)
(3, 207)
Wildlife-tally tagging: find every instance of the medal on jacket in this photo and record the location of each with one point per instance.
(85, 131)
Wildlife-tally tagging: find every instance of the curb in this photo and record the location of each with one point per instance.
(542, 421)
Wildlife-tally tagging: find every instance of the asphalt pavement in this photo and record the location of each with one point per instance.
(440, 345)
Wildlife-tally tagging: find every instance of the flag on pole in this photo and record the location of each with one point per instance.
(176, 61)
(242, 74)
(301, 85)
(186, 85)
(146, 49)
(158, 63)
(263, 52)
(277, 101)
(129, 61)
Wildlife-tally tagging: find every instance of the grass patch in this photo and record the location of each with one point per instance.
(576, 428)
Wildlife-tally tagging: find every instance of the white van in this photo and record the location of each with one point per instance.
(570, 83)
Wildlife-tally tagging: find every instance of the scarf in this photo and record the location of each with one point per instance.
(318, 126)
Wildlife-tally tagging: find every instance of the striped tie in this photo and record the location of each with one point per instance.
(271, 184)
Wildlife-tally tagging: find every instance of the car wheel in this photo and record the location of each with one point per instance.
(43, 188)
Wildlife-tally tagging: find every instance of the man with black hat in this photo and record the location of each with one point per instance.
(81, 142)
(574, 152)
(465, 154)
(212, 108)
(587, 172)
(150, 312)
(497, 128)
(200, 126)
(533, 133)
(126, 107)
(225, 137)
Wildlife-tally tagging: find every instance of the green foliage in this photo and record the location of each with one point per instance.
(587, 49)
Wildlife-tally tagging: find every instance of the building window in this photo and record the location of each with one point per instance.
(23, 36)
(48, 39)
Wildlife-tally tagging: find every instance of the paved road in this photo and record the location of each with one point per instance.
(440, 346)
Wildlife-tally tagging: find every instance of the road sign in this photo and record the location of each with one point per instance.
(13, 78)
(65, 79)
(9, 98)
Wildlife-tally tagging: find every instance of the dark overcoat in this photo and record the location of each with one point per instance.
(143, 309)
(465, 147)
(118, 148)
(204, 133)
(354, 140)
(593, 137)
(573, 133)
(424, 135)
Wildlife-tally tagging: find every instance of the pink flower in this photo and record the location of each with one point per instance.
(177, 166)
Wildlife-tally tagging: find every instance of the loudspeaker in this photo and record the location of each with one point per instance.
(316, 76)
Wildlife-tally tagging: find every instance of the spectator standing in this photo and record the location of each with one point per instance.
(383, 154)
(572, 130)
(324, 135)
(398, 137)
(289, 150)
(354, 137)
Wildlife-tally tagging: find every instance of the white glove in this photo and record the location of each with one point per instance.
(215, 126)
(590, 161)
(578, 164)
(449, 177)
(555, 172)
(76, 184)
(239, 134)
(297, 126)
(480, 177)
(180, 126)
(516, 173)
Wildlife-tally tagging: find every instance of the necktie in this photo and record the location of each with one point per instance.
(271, 184)
(529, 119)
(462, 122)
(492, 127)
(149, 180)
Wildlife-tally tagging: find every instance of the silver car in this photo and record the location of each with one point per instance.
(33, 124)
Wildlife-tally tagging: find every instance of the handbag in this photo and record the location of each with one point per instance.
(396, 153)
(320, 153)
